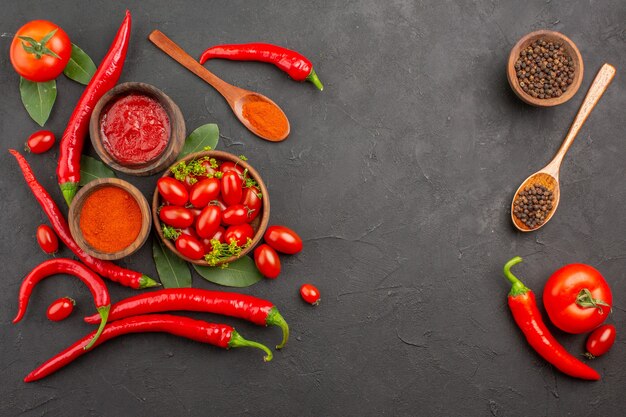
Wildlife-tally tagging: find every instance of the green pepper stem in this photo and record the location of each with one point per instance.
(104, 316)
(69, 190)
(517, 287)
(274, 318)
(312, 77)
(236, 341)
(147, 282)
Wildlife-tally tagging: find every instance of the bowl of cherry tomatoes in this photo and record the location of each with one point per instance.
(211, 208)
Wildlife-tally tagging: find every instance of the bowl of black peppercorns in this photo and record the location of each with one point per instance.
(545, 68)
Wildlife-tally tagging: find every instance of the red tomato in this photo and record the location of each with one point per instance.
(191, 231)
(175, 216)
(204, 191)
(231, 166)
(40, 141)
(47, 239)
(190, 247)
(60, 309)
(252, 201)
(220, 235)
(190, 181)
(232, 190)
(39, 61)
(240, 233)
(267, 261)
(209, 169)
(577, 298)
(173, 191)
(206, 242)
(600, 341)
(236, 214)
(283, 239)
(310, 294)
(208, 221)
(221, 205)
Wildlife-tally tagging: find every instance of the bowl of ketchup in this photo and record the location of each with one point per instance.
(137, 129)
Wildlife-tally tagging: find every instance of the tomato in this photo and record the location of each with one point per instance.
(252, 201)
(231, 167)
(283, 239)
(39, 63)
(179, 217)
(190, 181)
(206, 242)
(241, 233)
(220, 235)
(209, 169)
(173, 191)
(191, 231)
(577, 298)
(60, 309)
(221, 205)
(47, 239)
(40, 141)
(310, 294)
(204, 191)
(600, 341)
(208, 222)
(189, 247)
(267, 261)
(236, 214)
(232, 190)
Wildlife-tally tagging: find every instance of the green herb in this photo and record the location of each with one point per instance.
(173, 271)
(194, 168)
(80, 67)
(223, 251)
(92, 169)
(248, 181)
(169, 232)
(205, 136)
(241, 273)
(38, 99)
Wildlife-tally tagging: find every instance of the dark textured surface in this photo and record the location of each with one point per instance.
(398, 177)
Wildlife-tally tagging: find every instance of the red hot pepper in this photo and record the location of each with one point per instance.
(528, 318)
(67, 266)
(105, 78)
(219, 335)
(246, 307)
(297, 66)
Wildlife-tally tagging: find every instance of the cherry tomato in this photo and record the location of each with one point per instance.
(47, 239)
(204, 191)
(600, 341)
(221, 204)
(232, 190)
(209, 169)
(190, 247)
(178, 217)
(191, 231)
(240, 233)
(173, 191)
(231, 166)
(40, 141)
(283, 239)
(577, 298)
(252, 201)
(267, 261)
(60, 309)
(190, 181)
(206, 242)
(310, 294)
(39, 61)
(220, 235)
(208, 222)
(236, 214)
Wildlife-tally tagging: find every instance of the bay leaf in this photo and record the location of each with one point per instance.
(80, 67)
(241, 273)
(92, 169)
(173, 271)
(38, 98)
(203, 136)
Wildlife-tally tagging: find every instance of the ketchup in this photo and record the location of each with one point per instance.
(135, 129)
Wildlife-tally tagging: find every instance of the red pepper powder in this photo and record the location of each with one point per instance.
(110, 219)
(266, 118)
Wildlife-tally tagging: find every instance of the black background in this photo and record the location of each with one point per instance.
(398, 176)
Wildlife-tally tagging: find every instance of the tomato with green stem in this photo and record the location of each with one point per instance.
(239, 233)
(600, 341)
(60, 309)
(39, 142)
(252, 200)
(310, 294)
(237, 214)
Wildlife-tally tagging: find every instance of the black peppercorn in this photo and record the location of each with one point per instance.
(548, 68)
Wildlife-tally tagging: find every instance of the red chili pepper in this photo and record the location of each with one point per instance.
(107, 269)
(105, 78)
(242, 306)
(67, 266)
(528, 318)
(297, 66)
(219, 335)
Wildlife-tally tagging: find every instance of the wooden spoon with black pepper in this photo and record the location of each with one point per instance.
(536, 200)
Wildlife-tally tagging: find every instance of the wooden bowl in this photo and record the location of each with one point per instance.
(77, 205)
(259, 224)
(177, 128)
(572, 51)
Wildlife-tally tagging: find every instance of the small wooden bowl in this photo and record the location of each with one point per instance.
(177, 128)
(572, 51)
(77, 205)
(259, 224)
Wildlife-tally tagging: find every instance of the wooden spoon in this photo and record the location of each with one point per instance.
(235, 96)
(549, 175)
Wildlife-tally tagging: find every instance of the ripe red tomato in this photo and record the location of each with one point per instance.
(206, 242)
(231, 166)
(60, 309)
(39, 142)
(232, 190)
(600, 341)
(47, 239)
(209, 169)
(204, 191)
(46, 57)
(267, 261)
(236, 214)
(175, 216)
(190, 247)
(191, 231)
(577, 298)
(208, 221)
(310, 294)
(240, 233)
(252, 201)
(173, 191)
(283, 239)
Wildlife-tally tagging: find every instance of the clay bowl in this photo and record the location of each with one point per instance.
(572, 51)
(259, 224)
(177, 129)
(77, 205)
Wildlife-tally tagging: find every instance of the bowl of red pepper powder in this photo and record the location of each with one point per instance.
(110, 218)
